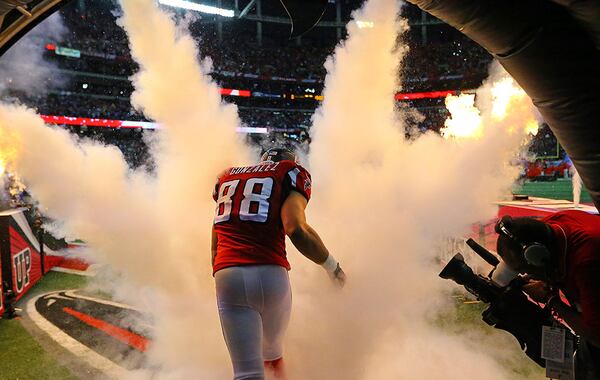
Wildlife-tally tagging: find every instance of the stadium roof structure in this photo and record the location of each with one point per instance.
(17, 17)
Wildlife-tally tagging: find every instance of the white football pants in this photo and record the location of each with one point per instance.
(254, 302)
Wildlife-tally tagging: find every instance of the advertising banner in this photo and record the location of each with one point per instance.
(20, 251)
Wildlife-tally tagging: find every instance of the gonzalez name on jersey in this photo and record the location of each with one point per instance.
(247, 216)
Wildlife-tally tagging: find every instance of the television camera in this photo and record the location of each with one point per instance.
(508, 309)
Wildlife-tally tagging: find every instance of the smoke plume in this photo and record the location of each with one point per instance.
(23, 67)
(381, 204)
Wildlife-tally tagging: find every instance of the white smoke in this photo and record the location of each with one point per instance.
(153, 230)
(381, 204)
(23, 67)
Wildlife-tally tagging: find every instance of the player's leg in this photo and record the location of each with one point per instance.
(241, 324)
(275, 316)
(277, 368)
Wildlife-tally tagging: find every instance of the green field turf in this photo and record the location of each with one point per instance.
(465, 321)
(58, 281)
(559, 189)
(21, 357)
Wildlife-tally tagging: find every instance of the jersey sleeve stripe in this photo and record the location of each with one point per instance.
(293, 175)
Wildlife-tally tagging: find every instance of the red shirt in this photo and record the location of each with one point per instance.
(248, 213)
(582, 282)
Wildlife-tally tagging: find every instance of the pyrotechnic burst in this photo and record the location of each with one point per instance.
(503, 92)
(9, 149)
(507, 95)
(467, 122)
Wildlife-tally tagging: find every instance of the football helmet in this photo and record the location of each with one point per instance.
(279, 154)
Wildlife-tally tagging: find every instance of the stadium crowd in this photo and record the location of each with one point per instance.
(103, 44)
(84, 106)
(239, 58)
(284, 77)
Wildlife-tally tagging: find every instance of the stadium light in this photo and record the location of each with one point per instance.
(198, 7)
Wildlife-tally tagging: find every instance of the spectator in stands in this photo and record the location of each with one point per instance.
(275, 67)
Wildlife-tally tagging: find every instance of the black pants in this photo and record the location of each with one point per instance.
(587, 362)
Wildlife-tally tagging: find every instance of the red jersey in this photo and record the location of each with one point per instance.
(248, 213)
(582, 282)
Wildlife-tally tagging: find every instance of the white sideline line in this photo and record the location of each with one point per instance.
(71, 293)
(54, 296)
(94, 359)
(74, 271)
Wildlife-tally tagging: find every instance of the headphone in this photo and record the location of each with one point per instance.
(535, 254)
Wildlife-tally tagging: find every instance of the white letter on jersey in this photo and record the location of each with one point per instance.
(260, 200)
(226, 192)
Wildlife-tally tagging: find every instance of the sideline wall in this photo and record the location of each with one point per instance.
(20, 258)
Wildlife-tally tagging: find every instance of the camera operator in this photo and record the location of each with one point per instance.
(561, 253)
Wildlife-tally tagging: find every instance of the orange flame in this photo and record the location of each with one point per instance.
(508, 102)
(465, 120)
(9, 149)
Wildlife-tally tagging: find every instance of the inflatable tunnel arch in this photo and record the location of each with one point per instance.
(17, 17)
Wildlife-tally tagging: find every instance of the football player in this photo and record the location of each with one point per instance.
(257, 206)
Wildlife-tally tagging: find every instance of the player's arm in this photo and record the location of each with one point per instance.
(305, 238)
(213, 246)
